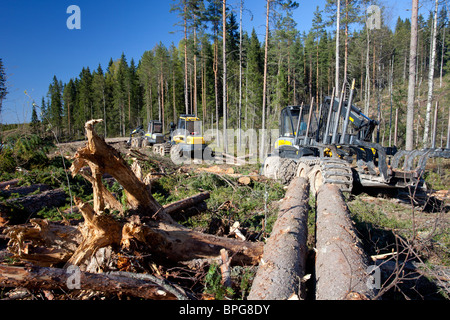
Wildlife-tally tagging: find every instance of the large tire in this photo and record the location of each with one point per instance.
(303, 170)
(331, 171)
(271, 166)
(286, 171)
(167, 148)
(208, 154)
(176, 155)
(315, 178)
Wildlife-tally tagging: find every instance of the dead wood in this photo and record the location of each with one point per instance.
(103, 158)
(187, 203)
(225, 268)
(42, 242)
(32, 204)
(283, 264)
(341, 264)
(24, 190)
(98, 231)
(145, 224)
(54, 278)
(8, 184)
(47, 243)
(174, 242)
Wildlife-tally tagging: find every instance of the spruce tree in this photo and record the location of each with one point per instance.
(3, 88)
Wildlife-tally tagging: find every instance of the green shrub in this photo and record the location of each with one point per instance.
(26, 151)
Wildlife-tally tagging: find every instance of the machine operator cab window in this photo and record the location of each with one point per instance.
(155, 127)
(189, 125)
(289, 121)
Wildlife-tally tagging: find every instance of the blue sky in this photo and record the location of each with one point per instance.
(35, 43)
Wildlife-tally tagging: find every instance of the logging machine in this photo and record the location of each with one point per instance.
(332, 143)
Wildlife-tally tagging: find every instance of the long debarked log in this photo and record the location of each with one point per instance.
(54, 278)
(283, 264)
(341, 265)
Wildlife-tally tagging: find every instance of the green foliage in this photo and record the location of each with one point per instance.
(213, 283)
(25, 151)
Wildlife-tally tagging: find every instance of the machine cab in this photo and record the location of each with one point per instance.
(189, 130)
(290, 124)
(155, 127)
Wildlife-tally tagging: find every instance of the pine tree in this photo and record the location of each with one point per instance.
(84, 97)
(146, 78)
(412, 76)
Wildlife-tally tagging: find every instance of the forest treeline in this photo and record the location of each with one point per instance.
(188, 77)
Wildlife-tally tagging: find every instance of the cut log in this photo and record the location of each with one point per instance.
(283, 263)
(54, 279)
(24, 190)
(176, 243)
(187, 203)
(341, 265)
(8, 184)
(18, 210)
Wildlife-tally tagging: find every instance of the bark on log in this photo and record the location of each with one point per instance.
(33, 203)
(341, 264)
(25, 190)
(187, 203)
(283, 264)
(46, 243)
(174, 242)
(54, 278)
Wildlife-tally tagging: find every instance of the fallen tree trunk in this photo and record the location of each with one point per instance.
(187, 203)
(55, 278)
(283, 264)
(47, 243)
(35, 202)
(341, 265)
(18, 210)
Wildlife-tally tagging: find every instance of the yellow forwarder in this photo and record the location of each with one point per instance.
(187, 140)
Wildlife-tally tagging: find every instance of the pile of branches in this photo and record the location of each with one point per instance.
(104, 251)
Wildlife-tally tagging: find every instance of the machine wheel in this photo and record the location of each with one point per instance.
(303, 170)
(177, 155)
(331, 171)
(315, 178)
(208, 154)
(271, 166)
(135, 142)
(167, 148)
(286, 171)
